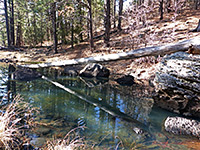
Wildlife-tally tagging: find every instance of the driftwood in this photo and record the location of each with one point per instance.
(139, 128)
(149, 51)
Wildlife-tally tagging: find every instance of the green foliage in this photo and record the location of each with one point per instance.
(33, 20)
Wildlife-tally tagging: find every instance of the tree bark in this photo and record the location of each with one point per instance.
(161, 9)
(53, 11)
(80, 21)
(91, 24)
(196, 4)
(148, 51)
(120, 14)
(72, 34)
(114, 13)
(12, 29)
(19, 31)
(7, 23)
(107, 24)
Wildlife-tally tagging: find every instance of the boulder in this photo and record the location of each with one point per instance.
(125, 80)
(26, 74)
(177, 84)
(182, 126)
(94, 70)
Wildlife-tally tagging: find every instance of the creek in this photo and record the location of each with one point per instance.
(60, 112)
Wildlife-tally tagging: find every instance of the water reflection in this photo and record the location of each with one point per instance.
(61, 107)
(61, 111)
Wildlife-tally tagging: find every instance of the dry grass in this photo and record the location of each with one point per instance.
(71, 141)
(13, 117)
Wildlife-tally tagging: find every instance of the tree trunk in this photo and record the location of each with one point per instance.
(196, 4)
(7, 22)
(107, 24)
(161, 9)
(19, 31)
(148, 51)
(12, 31)
(120, 14)
(34, 30)
(80, 22)
(53, 11)
(72, 34)
(91, 24)
(114, 13)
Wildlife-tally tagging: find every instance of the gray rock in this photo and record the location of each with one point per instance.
(182, 126)
(177, 84)
(94, 70)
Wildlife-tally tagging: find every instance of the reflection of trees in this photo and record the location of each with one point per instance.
(11, 84)
(55, 103)
(7, 84)
(3, 81)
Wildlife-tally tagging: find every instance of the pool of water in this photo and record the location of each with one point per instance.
(108, 115)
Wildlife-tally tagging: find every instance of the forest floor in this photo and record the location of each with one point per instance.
(157, 33)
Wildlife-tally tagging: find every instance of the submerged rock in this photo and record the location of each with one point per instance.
(177, 84)
(182, 126)
(125, 80)
(94, 70)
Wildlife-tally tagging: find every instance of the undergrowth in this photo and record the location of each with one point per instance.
(14, 119)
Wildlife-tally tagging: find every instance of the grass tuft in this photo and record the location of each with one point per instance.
(71, 141)
(14, 119)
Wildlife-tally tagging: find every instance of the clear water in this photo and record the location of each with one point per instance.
(112, 115)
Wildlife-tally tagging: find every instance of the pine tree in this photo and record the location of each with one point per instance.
(120, 14)
(7, 22)
(107, 24)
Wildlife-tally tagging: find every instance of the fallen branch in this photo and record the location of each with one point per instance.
(149, 51)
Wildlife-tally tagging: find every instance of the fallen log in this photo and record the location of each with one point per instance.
(138, 127)
(149, 51)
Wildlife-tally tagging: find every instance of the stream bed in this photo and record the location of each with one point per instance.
(113, 117)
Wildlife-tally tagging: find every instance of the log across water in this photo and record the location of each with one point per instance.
(137, 127)
(149, 51)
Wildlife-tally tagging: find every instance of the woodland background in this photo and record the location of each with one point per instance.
(93, 27)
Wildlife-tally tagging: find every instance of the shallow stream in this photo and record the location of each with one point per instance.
(111, 116)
